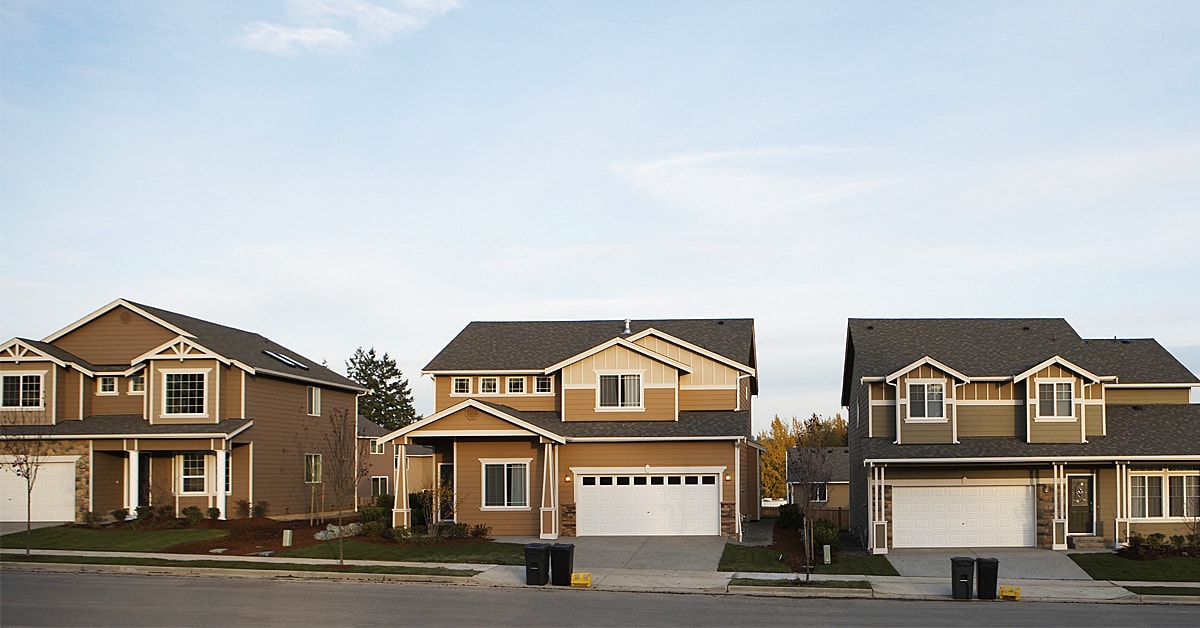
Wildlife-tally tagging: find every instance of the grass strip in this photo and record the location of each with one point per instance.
(754, 559)
(794, 583)
(231, 564)
(1165, 590)
(1108, 566)
(859, 565)
(95, 540)
(488, 553)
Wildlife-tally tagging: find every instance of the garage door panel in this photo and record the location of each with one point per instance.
(663, 505)
(53, 493)
(992, 516)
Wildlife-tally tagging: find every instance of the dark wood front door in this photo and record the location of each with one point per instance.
(1080, 508)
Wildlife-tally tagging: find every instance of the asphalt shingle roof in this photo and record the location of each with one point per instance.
(690, 424)
(124, 424)
(62, 354)
(837, 464)
(533, 345)
(1133, 430)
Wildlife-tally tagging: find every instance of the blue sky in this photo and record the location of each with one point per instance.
(336, 173)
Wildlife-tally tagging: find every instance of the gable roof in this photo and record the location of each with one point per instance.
(837, 464)
(991, 347)
(247, 348)
(536, 345)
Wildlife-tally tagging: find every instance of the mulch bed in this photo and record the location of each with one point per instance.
(1145, 552)
(788, 541)
(246, 536)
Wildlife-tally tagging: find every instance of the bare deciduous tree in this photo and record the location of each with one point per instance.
(812, 471)
(25, 449)
(344, 465)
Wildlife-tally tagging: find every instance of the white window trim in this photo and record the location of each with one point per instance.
(1037, 400)
(909, 418)
(509, 381)
(641, 407)
(825, 489)
(320, 468)
(203, 474)
(386, 485)
(376, 446)
(131, 389)
(454, 386)
(548, 378)
(229, 471)
(483, 464)
(1166, 495)
(495, 381)
(100, 392)
(312, 400)
(181, 415)
(41, 375)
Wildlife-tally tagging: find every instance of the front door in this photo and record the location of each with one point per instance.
(1080, 504)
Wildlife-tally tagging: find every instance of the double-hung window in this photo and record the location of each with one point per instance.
(1183, 496)
(376, 446)
(314, 401)
(820, 492)
(489, 385)
(506, 483)
(192, 472)
(184, 393)
(1055, 400)
(1164, 494)
(926, 400)
(621, 391)
(312, 468)
(108, 385)
(21, 391)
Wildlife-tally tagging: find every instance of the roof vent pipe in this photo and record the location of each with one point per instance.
(627, 331)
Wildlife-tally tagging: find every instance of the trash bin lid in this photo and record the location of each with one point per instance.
(987, 560)
(537, 546)
(562, 546)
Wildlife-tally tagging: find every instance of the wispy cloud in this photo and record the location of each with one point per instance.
(332, 26)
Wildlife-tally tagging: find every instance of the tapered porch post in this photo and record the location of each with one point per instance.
(221, 479)
(132, 488)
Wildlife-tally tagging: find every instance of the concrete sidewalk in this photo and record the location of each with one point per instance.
(642, 580)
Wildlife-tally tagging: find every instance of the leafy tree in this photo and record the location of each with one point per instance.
(388, 401)
(776, 440)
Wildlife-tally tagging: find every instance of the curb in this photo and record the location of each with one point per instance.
(216, 572)
(796, 591)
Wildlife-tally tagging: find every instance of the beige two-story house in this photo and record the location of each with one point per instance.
(579, 428)
(1015, 433)
(138, 406)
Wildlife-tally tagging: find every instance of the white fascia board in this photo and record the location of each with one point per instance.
(928, 360)
(486, 372)
(206, 353)
(471, 403)
(1163, 385)
(1031, 459)
(623, 343)
(142, 436)
(694, 348)
(307, 380)
(16, 342)
(107, 308)
(1061, 361)
(640, 439)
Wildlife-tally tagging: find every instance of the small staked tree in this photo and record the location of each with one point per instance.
(388, 400)
(343, 465)
(25, 450)
(812, 472)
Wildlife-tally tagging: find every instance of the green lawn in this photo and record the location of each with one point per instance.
(746, 558)
(95, 540)
(859, 565)
(816, 584)
(1165, 590)
(223, 564)
(1106, 566)
(477, 553)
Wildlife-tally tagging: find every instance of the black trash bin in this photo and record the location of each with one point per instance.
(985, 585)
(962, 571)
(537, 563)
(562, 563)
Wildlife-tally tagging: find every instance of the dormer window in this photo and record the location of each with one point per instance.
(1056, 400)
(926, 400)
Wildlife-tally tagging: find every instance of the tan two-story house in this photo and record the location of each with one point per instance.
(594, 427)
(1015, 433)
(138, 406)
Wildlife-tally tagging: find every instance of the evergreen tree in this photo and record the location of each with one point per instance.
(388, 400)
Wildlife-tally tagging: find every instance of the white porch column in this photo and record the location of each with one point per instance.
(549, 507)
(132, 489)
(220, 504)
(401, 513)
(1059, 523)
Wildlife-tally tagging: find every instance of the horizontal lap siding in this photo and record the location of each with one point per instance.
(1147, 395)
(912, 433)
(114, 338)
(120, 403)
(468, 486)
(1054, 431)
(708, 399)
(1094, 415)
(659, 406)
(990, 420)
(883, 422)
(637, 455)
(467, 419)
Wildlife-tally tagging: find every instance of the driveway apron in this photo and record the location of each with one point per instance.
(1025, 563)
(671, 553)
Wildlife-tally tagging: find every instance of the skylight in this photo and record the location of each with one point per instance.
(285, 359)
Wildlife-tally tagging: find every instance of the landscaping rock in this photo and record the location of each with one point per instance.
(332, 532)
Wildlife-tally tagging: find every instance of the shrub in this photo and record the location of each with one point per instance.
(1136, 540)
(1156, 540)
(214, 513)
(790, 517)
(260, 509)
(481, 531)
(456, 531)
(387, 502)
(243, 508)
(192, 514)
(145, 513)
(415, 501)
(166, 511)
(401, 534)
(371, 514)
(376, 529)
(826, 533)
(119, 514)
(91, 519)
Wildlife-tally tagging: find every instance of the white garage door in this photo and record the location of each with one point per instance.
(53, 493)
(963, 516)
(647, 505)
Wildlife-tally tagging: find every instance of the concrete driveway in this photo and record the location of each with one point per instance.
(1015, 562)
(661, 553)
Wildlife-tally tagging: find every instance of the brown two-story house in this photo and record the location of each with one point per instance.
(1015, 433)
(594, 427)
(139, 406)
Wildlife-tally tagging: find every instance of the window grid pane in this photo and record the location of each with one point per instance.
(193, 473)
(185, 393)
(916, 401)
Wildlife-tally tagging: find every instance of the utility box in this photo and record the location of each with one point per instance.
(962, 572)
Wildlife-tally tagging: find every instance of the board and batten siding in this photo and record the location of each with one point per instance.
(705, 370)
(115, 337)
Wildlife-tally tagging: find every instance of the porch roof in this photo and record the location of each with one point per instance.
(693, 424)
(127, 425)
